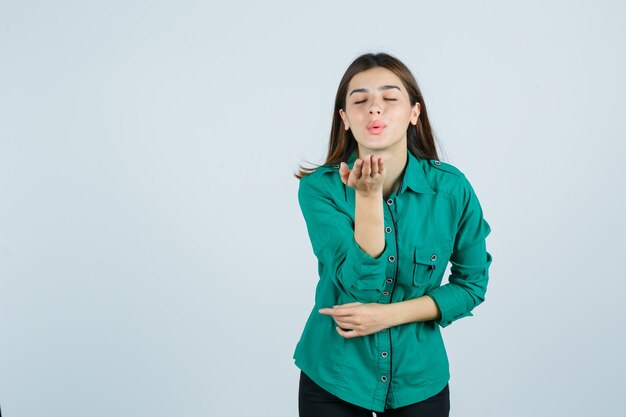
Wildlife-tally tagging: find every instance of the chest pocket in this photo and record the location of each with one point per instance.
(431, 260)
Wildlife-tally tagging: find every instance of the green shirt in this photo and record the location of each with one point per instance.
(433, 218)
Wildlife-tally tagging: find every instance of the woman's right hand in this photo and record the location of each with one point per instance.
(367, 175)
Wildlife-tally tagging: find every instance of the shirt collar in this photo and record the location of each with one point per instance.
(414, 176)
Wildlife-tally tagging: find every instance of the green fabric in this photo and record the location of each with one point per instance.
(433, 218)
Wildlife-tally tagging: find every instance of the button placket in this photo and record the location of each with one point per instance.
(383, 338)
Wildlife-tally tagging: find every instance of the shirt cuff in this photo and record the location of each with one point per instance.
(448, 300)
(368, 272)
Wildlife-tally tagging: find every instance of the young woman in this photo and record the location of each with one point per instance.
(385, 217)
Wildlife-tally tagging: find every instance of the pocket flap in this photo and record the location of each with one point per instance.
(434, 253)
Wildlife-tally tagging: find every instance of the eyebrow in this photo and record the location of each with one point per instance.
(365, 90)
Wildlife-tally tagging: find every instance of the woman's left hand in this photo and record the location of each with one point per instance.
(357, 319)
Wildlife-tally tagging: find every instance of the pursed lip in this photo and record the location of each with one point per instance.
(376, 127)
(376, 124)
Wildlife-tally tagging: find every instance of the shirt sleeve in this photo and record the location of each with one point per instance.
(331, 231)
(470, 261)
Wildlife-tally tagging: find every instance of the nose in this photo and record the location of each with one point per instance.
(375, 109)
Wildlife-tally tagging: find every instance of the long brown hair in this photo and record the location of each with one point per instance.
(420, 138)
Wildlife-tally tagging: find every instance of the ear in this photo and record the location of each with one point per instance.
(345, 119)
(415, 112)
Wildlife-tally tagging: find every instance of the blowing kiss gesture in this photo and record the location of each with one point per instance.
(367, 175)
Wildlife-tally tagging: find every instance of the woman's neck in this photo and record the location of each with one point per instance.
(394, 162)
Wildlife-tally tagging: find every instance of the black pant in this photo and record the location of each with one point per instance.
(314, 401)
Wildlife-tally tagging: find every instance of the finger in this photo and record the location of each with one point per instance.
(345, 325)
(346, 322)
(356, 303)
(344, 172)
(355, 174)
(336, 312)
(381, 167)
(367, 165)
(346, 334)
(374, 165)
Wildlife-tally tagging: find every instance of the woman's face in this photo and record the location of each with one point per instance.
(378, 111)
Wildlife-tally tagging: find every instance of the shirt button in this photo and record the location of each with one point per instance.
(385, 292)
(389, 202)
(437, 163)
(336, 166)
(384, 354)
(383, 378)
(383, 330)
(388, 229)
(392, 258)
(433, 258)
(389, 280)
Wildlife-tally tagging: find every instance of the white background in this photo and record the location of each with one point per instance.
(153, 258)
